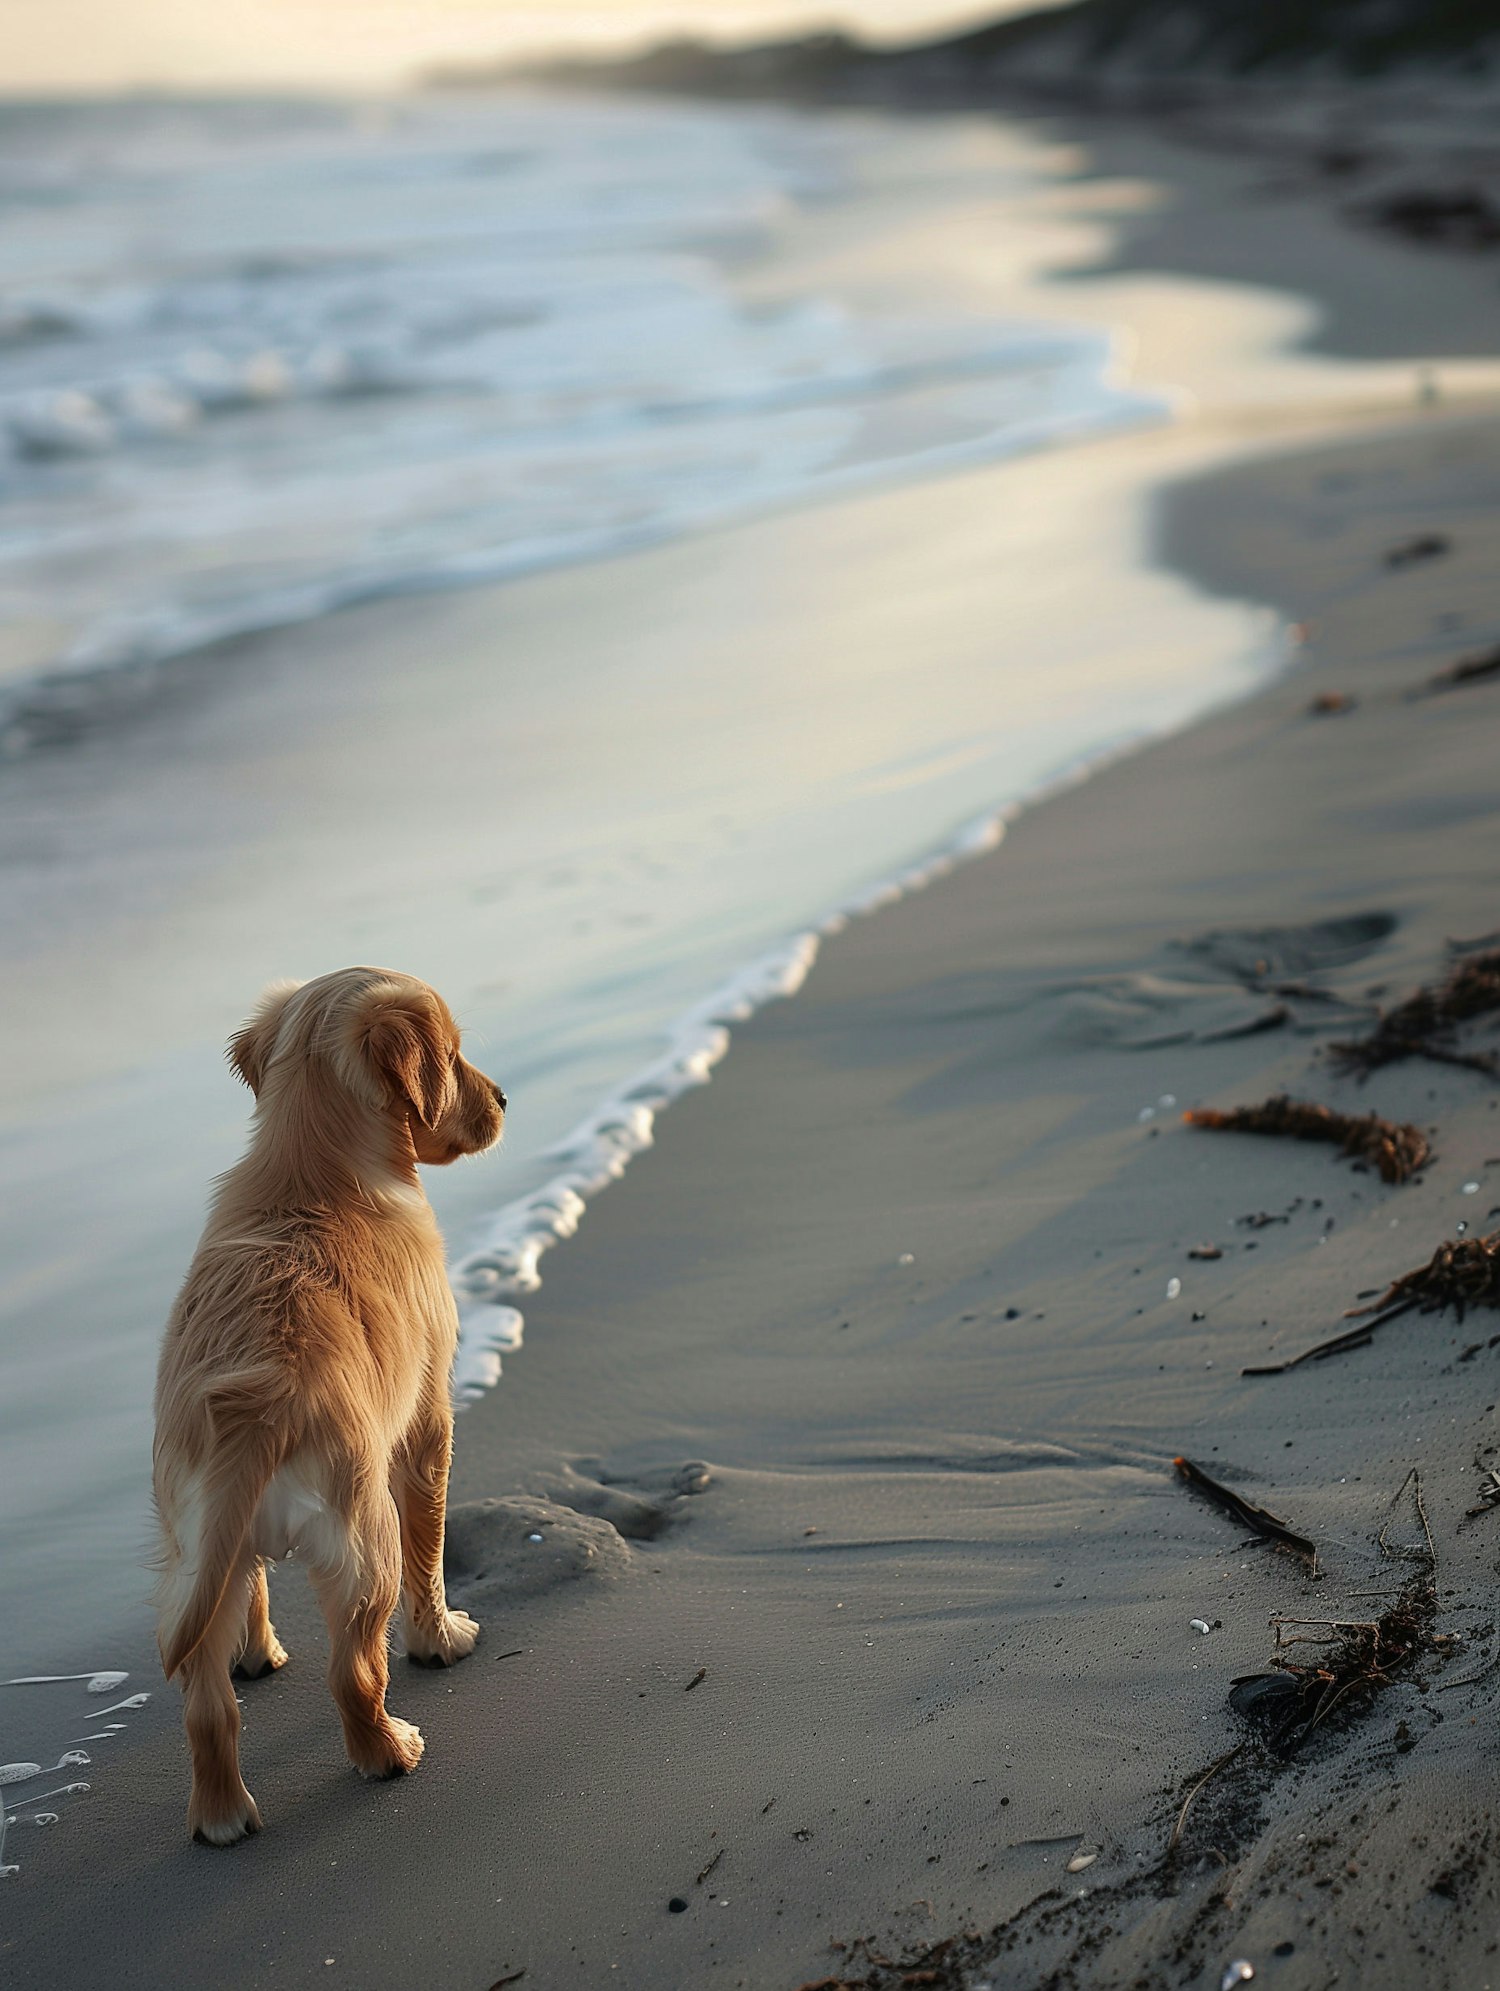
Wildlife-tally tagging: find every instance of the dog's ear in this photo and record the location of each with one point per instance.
(249, 1050)
(405, 1039)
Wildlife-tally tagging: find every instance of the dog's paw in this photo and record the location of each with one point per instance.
(394, 1750)
(452, 1639)
(224, 1824)
(256, 1665)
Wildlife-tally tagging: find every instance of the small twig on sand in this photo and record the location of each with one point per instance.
(1187, 1803)
(1426, 1024)
(1414, 1481)
(1397, 1151)
(1326, 1631)
(1337, 1344)
(1482, 668)
(709, 1868)
(1257, 1519)
(1463, 1273)
(697, 1680)
(1426, 546)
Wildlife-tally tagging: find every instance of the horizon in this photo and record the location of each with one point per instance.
(96, 48)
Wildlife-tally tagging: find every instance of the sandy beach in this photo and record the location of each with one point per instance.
(858, 1647)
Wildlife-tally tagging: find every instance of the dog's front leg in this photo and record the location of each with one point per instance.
(435, 1636)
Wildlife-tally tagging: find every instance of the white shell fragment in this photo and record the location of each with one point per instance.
(1200, 1625)
(1239, 1972)
(1084, 1857)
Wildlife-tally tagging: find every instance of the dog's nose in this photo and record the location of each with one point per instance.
(500, 1099)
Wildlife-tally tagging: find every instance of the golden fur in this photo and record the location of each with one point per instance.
(302, 1397)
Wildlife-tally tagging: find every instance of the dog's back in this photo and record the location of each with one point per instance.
(289, 1359)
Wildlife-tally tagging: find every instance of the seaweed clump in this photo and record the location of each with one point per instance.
(1426, 1025)
(1455, 217)
(1397, 1151)
(1463, 1272)
(1355, 1658)
(1354, 1662)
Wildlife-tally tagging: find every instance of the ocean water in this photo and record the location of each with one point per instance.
(261, 362)
(258, 360)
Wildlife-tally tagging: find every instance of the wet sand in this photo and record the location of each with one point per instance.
(864, 1596)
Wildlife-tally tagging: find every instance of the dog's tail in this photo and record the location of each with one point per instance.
(215, 1514)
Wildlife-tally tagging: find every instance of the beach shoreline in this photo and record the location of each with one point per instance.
(851, 1276)
(940, 1563)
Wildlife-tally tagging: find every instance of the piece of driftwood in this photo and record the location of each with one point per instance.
(1270, 1527)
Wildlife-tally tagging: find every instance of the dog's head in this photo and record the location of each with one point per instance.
(387, 1044)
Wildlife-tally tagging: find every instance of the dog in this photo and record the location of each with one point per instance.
(302, 1396)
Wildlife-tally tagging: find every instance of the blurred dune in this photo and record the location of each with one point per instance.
(1078, 49)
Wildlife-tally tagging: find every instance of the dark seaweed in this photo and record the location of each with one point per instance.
(1463, 1273)
(1426, 1024)
(1397, 1151)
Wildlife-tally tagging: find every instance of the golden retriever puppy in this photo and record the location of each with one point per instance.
(302, 1397)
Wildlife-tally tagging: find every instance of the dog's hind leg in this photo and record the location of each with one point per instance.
(263, 1651)
(220, 1810)
(359, 1592)
(435, 1636)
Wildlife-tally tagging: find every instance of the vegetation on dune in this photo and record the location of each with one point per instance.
(1153, 37)
(1362, 36)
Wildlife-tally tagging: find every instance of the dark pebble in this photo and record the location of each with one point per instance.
(677, 1906)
